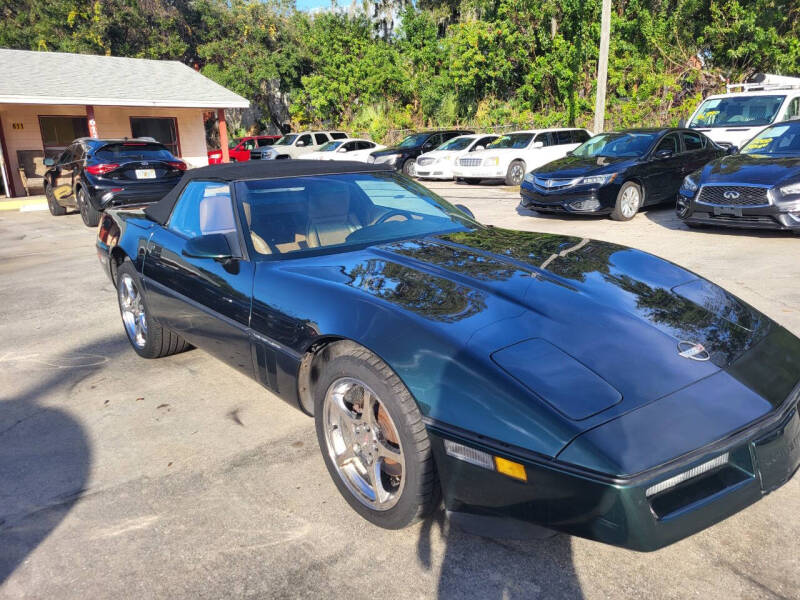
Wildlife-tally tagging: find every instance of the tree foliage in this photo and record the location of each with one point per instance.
(382, 64)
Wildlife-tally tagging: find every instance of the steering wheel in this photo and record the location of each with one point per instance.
(393, 213)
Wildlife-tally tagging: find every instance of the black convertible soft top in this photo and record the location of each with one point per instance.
(255, 169)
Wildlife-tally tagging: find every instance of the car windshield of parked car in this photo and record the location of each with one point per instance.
(133, 151)
(737, 111)
(457, 143)
(330, 146)
(512, 140)
(414, 140)
(620, 145)
(286, 140)
(307, 214)
(778, 139)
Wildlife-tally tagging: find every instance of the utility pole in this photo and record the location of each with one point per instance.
(602, 68)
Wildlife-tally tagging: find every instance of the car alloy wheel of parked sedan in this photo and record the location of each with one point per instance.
(480, 368)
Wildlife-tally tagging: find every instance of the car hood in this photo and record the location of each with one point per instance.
(616, 313)
(439, 153)
(751, 168)
(393, 150)
(578, 166)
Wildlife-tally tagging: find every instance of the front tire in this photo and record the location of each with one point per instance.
(52, 204)
(372, 438)
(515, 173)
(89, 214)
(148, 338)
(629, 201)
(408, 168)
(472, 180)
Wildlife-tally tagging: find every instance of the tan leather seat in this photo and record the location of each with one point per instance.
(330, 218)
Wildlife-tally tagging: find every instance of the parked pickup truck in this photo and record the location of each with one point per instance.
(294, 145)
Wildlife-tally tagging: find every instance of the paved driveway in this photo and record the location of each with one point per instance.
(180, 478)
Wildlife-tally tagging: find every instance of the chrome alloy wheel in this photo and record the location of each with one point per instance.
(629, 203)
(132, 308)
(363, 444)
(517, 173)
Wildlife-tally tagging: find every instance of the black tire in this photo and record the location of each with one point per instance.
(515, 173)
(622, 208)
(408, 167)
(52, 204)
(89, 214)
(158, 341)
(420, 493)
(471, 180)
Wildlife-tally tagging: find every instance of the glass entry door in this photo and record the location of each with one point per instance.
(161, 129)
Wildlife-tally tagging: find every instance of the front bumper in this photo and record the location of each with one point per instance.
(619, 511)
(771, 217)
(564, 201)
(479, 172)
(434, 171)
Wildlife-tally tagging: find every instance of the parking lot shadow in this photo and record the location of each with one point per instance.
(502, 569)
(45, 455)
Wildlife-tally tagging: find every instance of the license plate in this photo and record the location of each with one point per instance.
(778, 453)
(720, 211)
(145, 173)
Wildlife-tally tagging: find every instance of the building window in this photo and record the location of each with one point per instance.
(60, 132)
(161, 129)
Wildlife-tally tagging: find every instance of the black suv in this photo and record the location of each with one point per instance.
(403, 155)
(93, 174)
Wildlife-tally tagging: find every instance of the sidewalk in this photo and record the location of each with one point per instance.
(24, 204)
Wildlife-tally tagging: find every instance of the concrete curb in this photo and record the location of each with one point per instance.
(24, 204)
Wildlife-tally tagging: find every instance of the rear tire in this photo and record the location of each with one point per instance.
(148, 338)
(373, 443)
(408, 168)
(52, 204)
(89, 214)
(515, 173)
(629, 201)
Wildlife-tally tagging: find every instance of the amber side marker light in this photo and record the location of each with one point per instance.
(510, 468)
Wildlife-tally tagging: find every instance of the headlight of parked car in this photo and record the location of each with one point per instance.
(689, 185)
(791, 189)
(491, 162)
(597, 179)
(528, 177)
(386, 158)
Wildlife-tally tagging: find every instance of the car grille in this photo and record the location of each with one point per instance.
(552, 184)
(425, 161)
(736, 195)
(469, 162)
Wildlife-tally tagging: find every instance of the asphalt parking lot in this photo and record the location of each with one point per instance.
(180, 478)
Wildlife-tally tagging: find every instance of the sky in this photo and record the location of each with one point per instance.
(309, 4)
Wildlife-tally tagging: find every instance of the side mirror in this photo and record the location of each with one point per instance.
(569, 153)
(538, 144)
(478, 148)
(465, 210)
(730, 150)
(212, 245)
(665, 153)
(49, 162)
(300, 143)
(342, 149)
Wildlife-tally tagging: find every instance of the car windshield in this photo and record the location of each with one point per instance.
(299, 215)
(736, 111)
(414, 140)
(512, 140)
(779, 139)
(133, 151)
(286, 140)
(627, 144)
(458, 143)
(330, 146)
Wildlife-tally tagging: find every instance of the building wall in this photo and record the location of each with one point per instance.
(112, 122)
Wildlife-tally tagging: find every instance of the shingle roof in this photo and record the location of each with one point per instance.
(60, 78)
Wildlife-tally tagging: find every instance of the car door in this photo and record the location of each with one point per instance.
(697, 152)
(63, 184)
(205, 300)
(304, 142)
(664, 170)
(540, 151)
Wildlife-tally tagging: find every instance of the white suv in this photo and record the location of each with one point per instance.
(732, 119)
(512, 155)
(294, 145)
